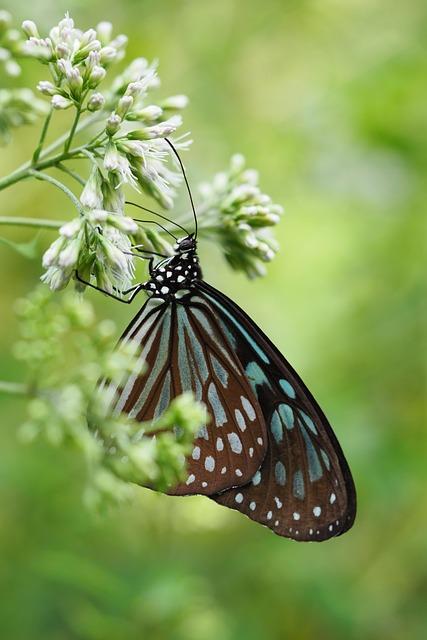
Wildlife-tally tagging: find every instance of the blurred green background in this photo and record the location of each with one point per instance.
(328, 100)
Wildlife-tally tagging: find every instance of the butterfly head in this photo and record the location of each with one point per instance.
(189, 243)
(178, 274)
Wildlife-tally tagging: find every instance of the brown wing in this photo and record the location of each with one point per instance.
(186, 349)
(303, 489)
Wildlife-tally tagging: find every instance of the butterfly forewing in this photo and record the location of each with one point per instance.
(186, 349)
(303, 489)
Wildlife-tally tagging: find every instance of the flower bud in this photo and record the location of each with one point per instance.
(30, 29)
(96, 102)
(175, 102)
(113, 124)
(237, 163)
(75, 82)
(96, 76)
(124, 105)
(123, 223)
(103, 31)
(69, 256)
(71, 228)
(59, 102)
(12, 68)
(52, 253)
(107, 54)
(115, 256)
(91, 196)
(62, 50)
(151, 113)
(47, 88)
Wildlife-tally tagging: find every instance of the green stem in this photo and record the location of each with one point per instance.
(39, 147)
(25, 171)
(40, 223)
(47, 178)
(13, 387)
(22, 171)
(69, 140)
(71, 173)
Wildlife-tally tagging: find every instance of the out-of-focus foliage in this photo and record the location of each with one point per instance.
(326, 99)
(62, 399)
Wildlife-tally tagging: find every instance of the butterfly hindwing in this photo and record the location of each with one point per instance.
(303, 488)
(186, 349)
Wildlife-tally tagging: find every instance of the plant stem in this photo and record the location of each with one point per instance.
(25, 171)
(39, 147)
(22, 171)
(47, 178)
(69, 140)
(30, 222)
(71, 173)
(13, 387)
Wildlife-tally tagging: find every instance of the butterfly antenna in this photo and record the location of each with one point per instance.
(186, 184)
(134, 204)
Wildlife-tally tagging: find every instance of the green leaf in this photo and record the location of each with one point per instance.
(27, 249)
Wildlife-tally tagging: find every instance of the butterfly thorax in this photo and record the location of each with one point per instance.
(176, 275)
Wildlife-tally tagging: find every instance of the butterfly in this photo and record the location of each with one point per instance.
(268, 450)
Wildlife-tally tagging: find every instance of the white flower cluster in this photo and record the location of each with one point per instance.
(237, 212)
(138, 156)
(96, 243)
(10, 44)
(18, 107)
(77, 60)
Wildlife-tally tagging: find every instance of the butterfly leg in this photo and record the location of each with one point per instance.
(133, 290)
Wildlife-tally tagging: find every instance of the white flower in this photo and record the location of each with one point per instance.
(96, 102)
(119, 164)
(91, 196)
(59, 102)
(69, 256)
(50, 256)
(47, 88)
(70, 229)
(175, 102)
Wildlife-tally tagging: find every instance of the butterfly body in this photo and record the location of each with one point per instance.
(177, 274)
(268, 450)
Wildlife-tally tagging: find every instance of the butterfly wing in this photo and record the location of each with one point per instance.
(303, 489)
(187, 349)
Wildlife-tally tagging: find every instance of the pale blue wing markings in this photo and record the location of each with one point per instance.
(276, 427)
(287, 388)
(217, 408)
(315, 470)
(160, 361)
(248, 407)
(287, 415)
(220, 372)
(256, 375)
(235, 442)
(184, 364)
(164, 398)
(298, 488)
(203, 432)
(256, 478)
(207, 326)
(325, 459)
(242, 330)
(205, 322)
(280, 473)
(145, 323)
(197, 348)
(308, 421)
(228, 334)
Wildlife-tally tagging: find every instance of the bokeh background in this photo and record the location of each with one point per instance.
(328, 100)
